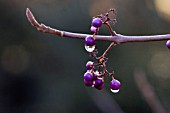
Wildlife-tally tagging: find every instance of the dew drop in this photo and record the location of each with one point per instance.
(90, 48)
(114, 91)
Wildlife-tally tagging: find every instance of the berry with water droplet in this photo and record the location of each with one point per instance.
(90, 48)
(115, 85)
(89, 41)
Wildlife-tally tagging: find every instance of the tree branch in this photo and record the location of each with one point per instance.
(118, 38)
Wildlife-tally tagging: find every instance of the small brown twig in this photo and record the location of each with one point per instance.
(107, 50)
(113, 33)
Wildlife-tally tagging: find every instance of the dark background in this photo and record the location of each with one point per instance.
(43, 73)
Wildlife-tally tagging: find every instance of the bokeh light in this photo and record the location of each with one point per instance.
(163, 8)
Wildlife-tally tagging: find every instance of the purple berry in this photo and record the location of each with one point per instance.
(97, 22)
(168, 44)
(93, 29)
(98, 82)
(89, 41)
(88, 76)
(100, 87)
(88, 83)
(89, 65)
(115, 84)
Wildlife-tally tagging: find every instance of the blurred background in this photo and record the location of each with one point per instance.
(43, 73)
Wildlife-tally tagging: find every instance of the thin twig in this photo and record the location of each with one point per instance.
(113, 33)
(107, 50)
(118, 38)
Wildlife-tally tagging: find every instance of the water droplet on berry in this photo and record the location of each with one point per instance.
(114, 91)
(90, 48)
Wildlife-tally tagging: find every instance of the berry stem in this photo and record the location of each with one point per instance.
(107, 50)
(113, 33)
(118, 38)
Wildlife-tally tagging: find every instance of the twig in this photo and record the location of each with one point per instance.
(148, 92)
(107, 50)
(113, 33)
(118, 38)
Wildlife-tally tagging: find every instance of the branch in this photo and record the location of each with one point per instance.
(118, 38)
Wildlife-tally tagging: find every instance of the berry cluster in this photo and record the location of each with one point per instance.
(94, 77)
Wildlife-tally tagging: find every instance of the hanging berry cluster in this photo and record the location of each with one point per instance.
(96, 71)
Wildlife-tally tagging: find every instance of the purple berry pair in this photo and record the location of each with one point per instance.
(90, 40)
